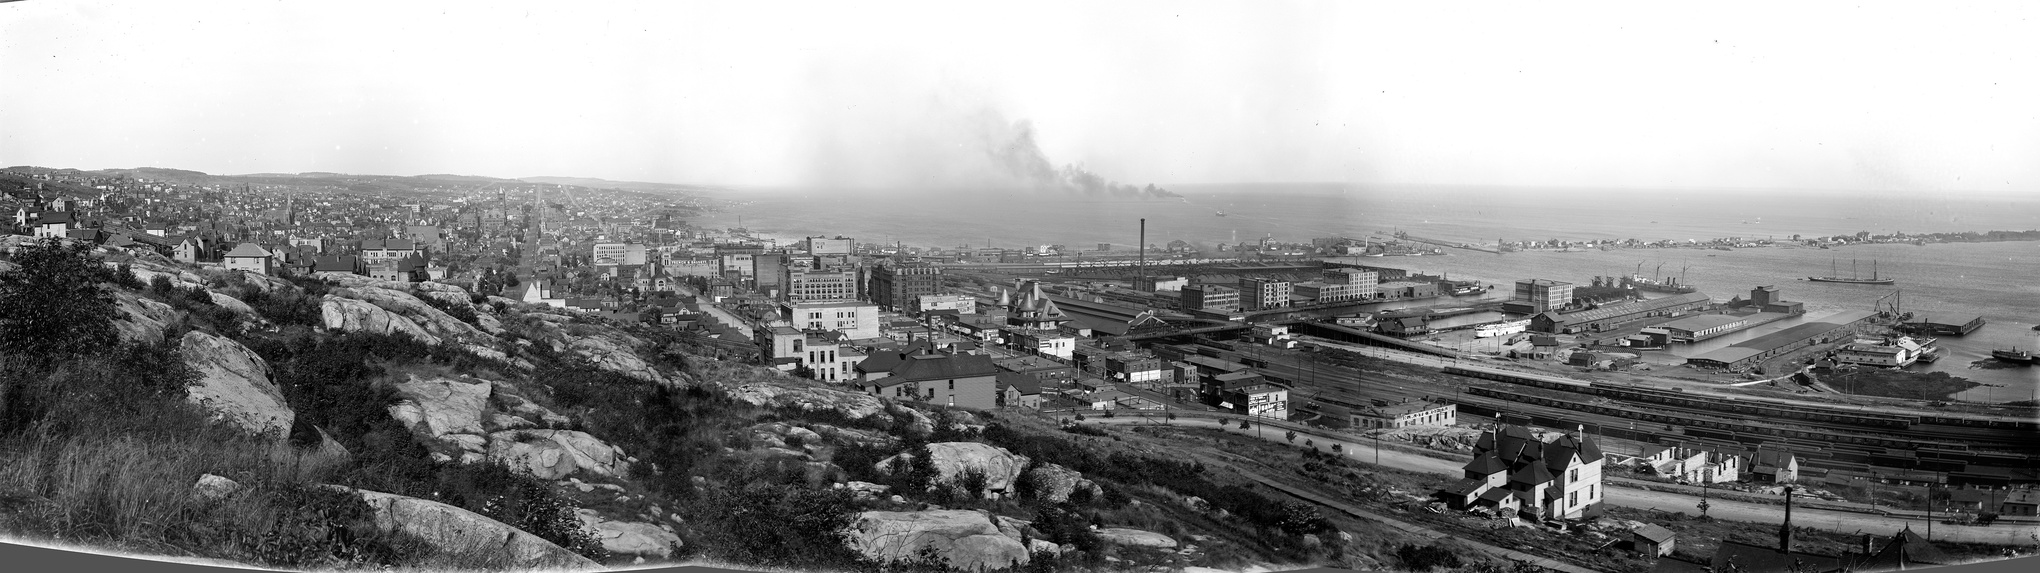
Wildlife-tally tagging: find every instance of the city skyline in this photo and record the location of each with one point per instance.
(1809, 97)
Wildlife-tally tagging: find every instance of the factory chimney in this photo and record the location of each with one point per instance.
(1785, 531)
(1140, 264)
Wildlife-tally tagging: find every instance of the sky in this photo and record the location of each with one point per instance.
(1803, 95)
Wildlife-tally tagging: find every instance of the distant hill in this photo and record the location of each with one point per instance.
(449, 177)
(594, 183)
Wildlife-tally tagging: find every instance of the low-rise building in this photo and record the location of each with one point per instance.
(963, 381)
(1404, 415)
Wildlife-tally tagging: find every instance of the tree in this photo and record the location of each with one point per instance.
(1244, 425)
(1336, 448)
(1291, 435)
(53, 306)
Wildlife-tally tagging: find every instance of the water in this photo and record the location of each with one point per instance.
(1999, 281)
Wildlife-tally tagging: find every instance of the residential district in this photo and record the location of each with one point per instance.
(1550, 400)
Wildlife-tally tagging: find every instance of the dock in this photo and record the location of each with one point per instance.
(1408, 237)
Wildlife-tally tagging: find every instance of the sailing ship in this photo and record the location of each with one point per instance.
(1852, 278)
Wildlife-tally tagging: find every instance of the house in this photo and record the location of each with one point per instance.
(1018, 390)
(2020, 503)
(1513, 472)
(1405, 327)
(251, 258)
(1652, 540)
(962, 380)
(190, 249)
(1774, 465)
(55, 224)
(337, 264)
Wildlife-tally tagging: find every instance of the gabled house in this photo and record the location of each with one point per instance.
(1018, 390)
(1513, 472)
(1774, 465)
(251, 258)
(55, 224)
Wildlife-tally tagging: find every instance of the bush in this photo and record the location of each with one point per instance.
(1426, 557)
(52, 307)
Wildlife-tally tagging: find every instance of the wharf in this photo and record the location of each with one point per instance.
(1469, 247)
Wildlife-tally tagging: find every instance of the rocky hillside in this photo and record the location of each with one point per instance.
(337, 421)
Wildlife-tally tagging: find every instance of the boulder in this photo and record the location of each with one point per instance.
(917, 422)
(454, 531)
(630, 538)
(1054, 483)
(1135, 538)
(351, 315)
(233, 384)
(435, 407)
(555, 454)
(952, 459)
(214, 488)
(964, 539)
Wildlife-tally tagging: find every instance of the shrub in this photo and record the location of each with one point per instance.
(1426, 557)
(53, 307)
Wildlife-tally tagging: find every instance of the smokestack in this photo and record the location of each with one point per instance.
(1140, 267)
(1785, 530)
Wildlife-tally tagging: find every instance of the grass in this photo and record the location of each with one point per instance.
(1898, 383)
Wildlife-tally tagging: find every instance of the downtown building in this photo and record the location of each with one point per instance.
(899, 288)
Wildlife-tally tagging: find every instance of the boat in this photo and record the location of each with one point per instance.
(2036, 327)
(2014, 356)
(1852, 278)
(1504, 328)
(1930, 355)
(1221, 213)
(1668, 285)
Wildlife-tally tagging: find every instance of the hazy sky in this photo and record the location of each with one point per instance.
(1919, 95)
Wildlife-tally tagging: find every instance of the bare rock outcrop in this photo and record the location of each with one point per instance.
(849, 436)
(852, 405)
(613, 352)
(233, 384)
(142, 320)
(401, 303)
(1135, 538)
(454, 531)
(555, 454)
(964, 539)
(235, 305)
(630, 538)
(436, 407)
(952, 459)
(359, 316)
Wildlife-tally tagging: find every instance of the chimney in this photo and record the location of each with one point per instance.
(1785, 530)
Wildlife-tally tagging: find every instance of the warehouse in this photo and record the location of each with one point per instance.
(1748, 353)
(1612, 316)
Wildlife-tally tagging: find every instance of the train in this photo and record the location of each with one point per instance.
(1748, 406)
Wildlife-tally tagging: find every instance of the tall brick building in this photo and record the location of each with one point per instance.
(899, 287)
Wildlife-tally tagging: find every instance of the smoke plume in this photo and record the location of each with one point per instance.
(1010, 145)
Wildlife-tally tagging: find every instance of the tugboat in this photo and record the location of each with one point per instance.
(1221, 213)
(2014, 356)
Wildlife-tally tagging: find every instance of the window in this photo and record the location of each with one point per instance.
(1572, 499)
(1573, 476)
(952, 384)
(1590, 492)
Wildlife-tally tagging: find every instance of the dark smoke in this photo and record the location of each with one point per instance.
(1011, 146)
